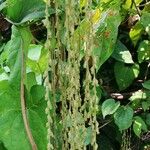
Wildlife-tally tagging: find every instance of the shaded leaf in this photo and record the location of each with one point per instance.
(145, 21)
(145, 105)
(21, 11)
(148, 119)
(146, 84)
(123, 117)
(37, 92)
(139, 125)
(125, 74)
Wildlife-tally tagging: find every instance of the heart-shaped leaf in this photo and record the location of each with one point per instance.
(123, 117)
(109, 106)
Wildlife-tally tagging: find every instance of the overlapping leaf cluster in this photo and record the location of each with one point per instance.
(118, 52)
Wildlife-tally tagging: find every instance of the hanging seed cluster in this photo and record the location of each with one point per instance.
(65, 41)
(126, 140)
(49, 108)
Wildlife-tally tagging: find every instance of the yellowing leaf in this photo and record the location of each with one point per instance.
(136, 32)
(83, 3)
(96, 17)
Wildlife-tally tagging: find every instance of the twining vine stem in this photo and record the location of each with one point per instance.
(23, 106)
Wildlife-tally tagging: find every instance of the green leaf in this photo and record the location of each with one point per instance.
(105, 27)
(145, 105)
(34, 52)
(31, 80)
(125, 75)
(123, 117)
(12, 54)
(137, 128)
(144, 51)
(37, 92)
(3, 76)
(145, 21)
(2, 6)
(148, 119)
(136, 32)
(106, 37)
(12, 132)
(146, 84)
(21, 11)
(139, 125)
(12, 127)
(2, 146)
(40, 66)
(109, 106)
(138, 95)
(121, 53)
(3, 86)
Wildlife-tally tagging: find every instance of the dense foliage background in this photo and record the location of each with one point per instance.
(121, 50)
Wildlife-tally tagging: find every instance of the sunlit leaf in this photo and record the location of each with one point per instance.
(121, 53)
(109, 106)
(34, 52)
(139, 125)
(12, 131)
(138, 95)
(144, 51)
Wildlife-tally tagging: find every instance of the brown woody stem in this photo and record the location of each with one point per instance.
(23, 106)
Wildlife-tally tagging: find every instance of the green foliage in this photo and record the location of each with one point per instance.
(109, 107)
(125, 74)
(139, 125)
(122, 54)
(143, 51)
(92, 52)
(148, 119)
(138, 95)
(146, 84)
(106, 36)
(13, 133)
(22, 11)
(123, 117)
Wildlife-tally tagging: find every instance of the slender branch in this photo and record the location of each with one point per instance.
(105, 124)
(121, 96)
(23, 107)
(141, 5)
(146, 73)
(137, 9)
